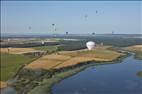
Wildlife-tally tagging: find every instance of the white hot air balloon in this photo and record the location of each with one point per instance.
(90, 45)
(42, 42)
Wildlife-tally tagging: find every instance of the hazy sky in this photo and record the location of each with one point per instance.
(37, 17)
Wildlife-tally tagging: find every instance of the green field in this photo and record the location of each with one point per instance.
(32, 83)
(10, 63)
(47, 48)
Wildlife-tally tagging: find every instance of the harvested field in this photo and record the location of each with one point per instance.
(77, 60)
(48, 61)
(43, 64)
(70, 58)
(134, 48)
(99, 52)
(18, 50)
(56, 57)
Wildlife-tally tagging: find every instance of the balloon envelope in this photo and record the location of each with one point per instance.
(53, 24)
(42, 42)
(90, 45)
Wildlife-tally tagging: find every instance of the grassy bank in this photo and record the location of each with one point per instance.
(138, 54)
(10, 64)
(45, 86)
(49, 69)
(137, 49)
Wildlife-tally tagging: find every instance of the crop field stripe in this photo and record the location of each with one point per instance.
(25, 65)
(60, 64)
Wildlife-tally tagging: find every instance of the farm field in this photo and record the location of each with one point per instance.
(18, 50)
(57, 57)
(70, 58)
(52, 47)
(10, 63)
(46, 48)
(137, 49)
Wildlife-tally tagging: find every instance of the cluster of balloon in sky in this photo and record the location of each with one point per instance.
(55, 29)
(90, 44)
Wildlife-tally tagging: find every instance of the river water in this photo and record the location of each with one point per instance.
(119, 78)
(8, 90)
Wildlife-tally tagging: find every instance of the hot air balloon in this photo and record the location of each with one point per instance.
(54, 27)
(29, 27)
(67, 33)
(42, 42)
(90, 45)
(53, 24)
(93, 33)
(8, 39)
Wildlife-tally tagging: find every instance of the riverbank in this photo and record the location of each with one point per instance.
(46, 85)
(104, 79)
(137, 49)
(58, 66)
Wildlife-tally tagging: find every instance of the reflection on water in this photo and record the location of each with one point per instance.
(8, 90)
(117, 78)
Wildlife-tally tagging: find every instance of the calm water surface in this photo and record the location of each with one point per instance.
(117, 78)
(8, 90)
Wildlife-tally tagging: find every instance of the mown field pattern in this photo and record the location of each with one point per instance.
(69, 58)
